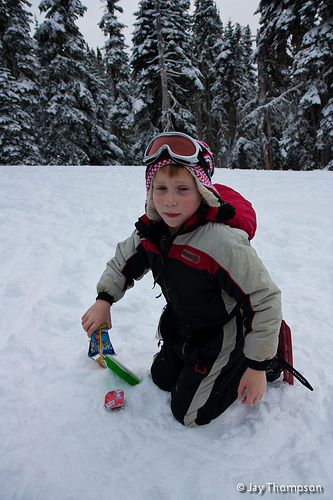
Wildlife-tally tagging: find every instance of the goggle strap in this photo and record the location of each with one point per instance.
(203, 163)
(201, 160)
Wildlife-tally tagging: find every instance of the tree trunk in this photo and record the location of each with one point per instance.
(264, 125)
(166, 106)
(198, 115)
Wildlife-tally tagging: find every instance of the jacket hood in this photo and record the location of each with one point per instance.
(235, 211)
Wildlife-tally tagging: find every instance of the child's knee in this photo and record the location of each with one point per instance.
(183, 414)
(160, 379)
(200, 410)
(165, 370)
(188, 420)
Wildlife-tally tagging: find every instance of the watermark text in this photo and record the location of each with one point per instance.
(298, 489)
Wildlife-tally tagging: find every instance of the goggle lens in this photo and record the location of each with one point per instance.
(178, 145)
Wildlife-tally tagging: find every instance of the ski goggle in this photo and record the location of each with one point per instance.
(180, 147)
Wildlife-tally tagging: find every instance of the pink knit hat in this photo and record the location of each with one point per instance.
(205, 187)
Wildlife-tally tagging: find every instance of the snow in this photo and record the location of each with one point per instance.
(58, 227)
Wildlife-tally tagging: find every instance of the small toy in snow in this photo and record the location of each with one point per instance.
(100, 344)
(121, 370)
(114, 399)
(101, 350)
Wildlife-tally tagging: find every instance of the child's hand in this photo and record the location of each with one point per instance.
(96, 315)
(254, 381)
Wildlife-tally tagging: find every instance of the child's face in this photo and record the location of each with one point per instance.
(176, 198)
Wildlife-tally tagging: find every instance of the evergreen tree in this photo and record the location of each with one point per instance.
(18, 86)
(324, 139)
(163, 69)
(118, 73)
(146, 78)
(72, 132)
(295, 51)
(312, 72)
(234, 92)
(99, 88)
(183, 77)
(245, 150)
(207, 40)
(273, 59)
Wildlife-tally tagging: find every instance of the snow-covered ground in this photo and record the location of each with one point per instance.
(58, 227)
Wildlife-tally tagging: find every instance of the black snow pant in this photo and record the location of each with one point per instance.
(204, 380)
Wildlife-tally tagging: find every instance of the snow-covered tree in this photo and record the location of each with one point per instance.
(184, 79)
(273, 60)
(18, 86)
(165, 77)
(72, 132)
(312, 72)
(295, 54)
(99, 86)
(118, 76)
(207, 40)
(146, 77)
(233, 98)
(245, 150)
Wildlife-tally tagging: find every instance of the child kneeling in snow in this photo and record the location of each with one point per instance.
(221, 323)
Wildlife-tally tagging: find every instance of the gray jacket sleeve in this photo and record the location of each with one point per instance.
(264, 298)
(129, 263)
(246, 284)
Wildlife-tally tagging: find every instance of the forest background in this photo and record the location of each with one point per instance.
(263, 101)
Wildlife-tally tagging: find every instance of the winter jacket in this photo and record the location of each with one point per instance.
(211, 278)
